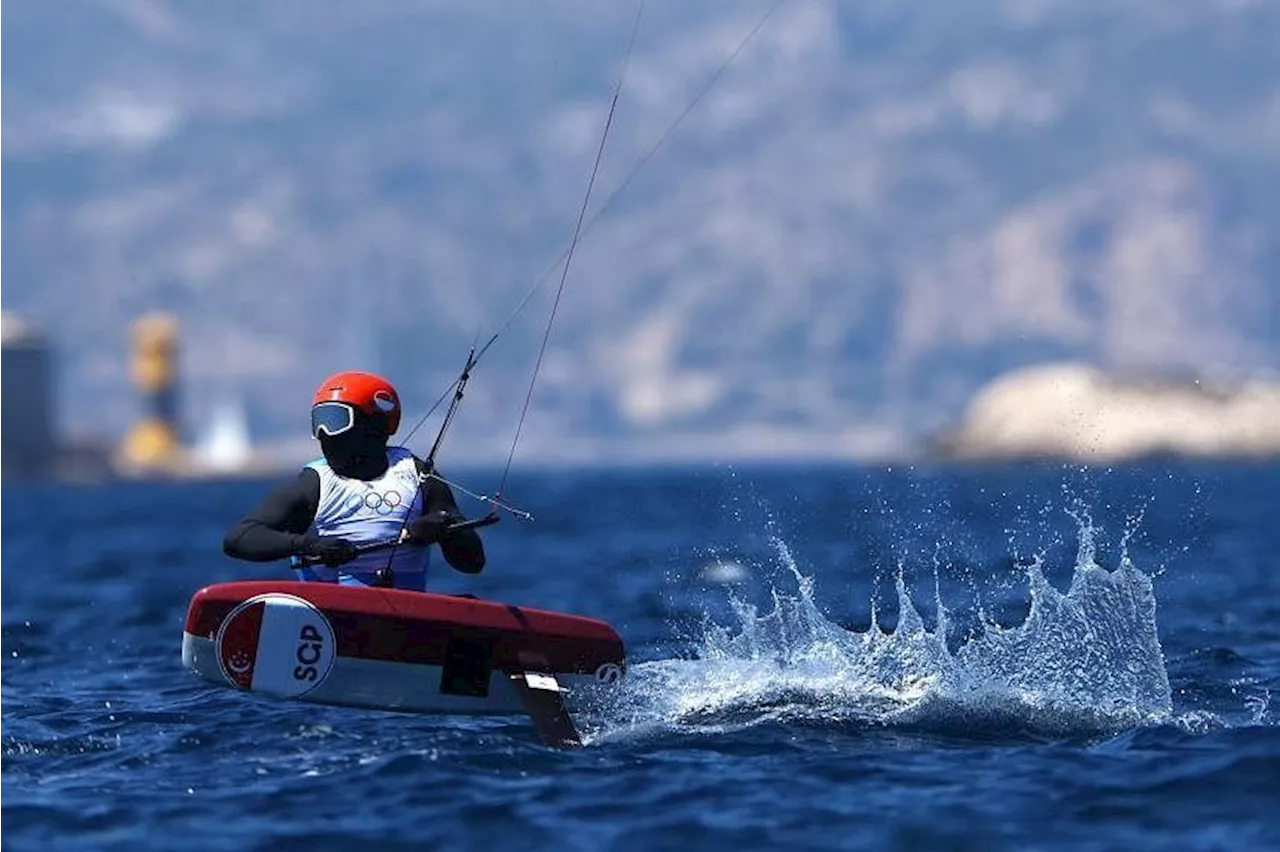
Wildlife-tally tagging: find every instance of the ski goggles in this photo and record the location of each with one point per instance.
(332, 418)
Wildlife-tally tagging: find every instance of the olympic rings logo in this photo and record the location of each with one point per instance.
(382, 503)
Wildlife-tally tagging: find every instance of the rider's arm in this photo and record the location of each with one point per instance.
(463, 550)
(275, 529)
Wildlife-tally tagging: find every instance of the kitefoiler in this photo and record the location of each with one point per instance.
(358, 627)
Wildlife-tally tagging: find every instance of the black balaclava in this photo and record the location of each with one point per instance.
(361, 451)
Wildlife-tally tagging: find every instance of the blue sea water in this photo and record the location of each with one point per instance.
(821, 658)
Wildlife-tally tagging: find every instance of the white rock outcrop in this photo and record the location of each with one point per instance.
(1077, 412)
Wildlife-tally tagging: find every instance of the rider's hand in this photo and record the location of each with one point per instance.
(330, 550)
(430, 528)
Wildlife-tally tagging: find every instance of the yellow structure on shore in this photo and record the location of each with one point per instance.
(152, 445)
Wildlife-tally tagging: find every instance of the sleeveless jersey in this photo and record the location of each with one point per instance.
(363, 512)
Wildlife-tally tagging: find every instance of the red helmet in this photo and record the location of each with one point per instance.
(371, 394)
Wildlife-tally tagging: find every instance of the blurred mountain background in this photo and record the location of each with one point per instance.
(879, 207)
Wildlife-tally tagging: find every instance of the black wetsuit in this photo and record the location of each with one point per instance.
(277, 527)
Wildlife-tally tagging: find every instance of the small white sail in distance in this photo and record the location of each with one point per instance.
(225, 444)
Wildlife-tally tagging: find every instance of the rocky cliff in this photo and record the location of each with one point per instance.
(1075, 412)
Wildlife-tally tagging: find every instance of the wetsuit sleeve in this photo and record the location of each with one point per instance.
(275, 528)
(464, 551)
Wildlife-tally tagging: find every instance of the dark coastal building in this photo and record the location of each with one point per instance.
(29, 445)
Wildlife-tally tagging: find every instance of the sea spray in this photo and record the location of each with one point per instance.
(1087, 661)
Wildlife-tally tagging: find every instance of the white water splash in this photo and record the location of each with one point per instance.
(1087, 661)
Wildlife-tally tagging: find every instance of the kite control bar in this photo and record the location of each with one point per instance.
(368, 547)
(473, 523)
